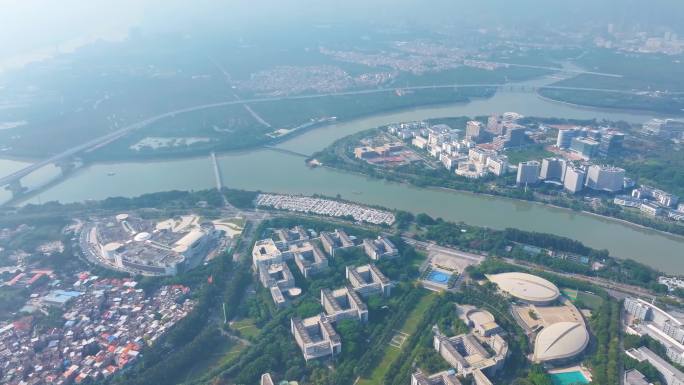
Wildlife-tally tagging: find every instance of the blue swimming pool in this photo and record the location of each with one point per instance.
(438, 277)
(568, 378)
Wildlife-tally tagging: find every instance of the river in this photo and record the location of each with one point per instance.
(273, 171)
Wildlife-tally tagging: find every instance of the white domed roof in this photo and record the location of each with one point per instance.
(294, 292)
(112, 246)
(560, 340)
(143, 236)
(526, 287)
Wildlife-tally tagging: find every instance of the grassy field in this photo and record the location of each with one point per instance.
(227, 351)
(592, 301)
(534, 152)
(392, 352)
(570, 293)
(245, 327)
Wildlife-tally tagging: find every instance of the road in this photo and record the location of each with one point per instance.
(616, 290)
(93, 143)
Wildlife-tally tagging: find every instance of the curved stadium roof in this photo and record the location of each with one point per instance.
(560, 341)
(526, 287)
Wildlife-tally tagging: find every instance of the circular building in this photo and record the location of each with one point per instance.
(142, 237)
(526, 287)
(561, 341)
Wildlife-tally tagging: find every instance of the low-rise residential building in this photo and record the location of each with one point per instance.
(663, 198)
(368, 280)
(420, 142)
(651, 209)
(316, 337)
(627, 201)
(343, 303)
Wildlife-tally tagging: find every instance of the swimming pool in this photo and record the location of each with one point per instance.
(438, 277)
(568, 378)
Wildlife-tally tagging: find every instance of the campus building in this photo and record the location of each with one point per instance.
(552, 169)
(379, 248)
(605, 178)
(316, 337)
(573, 181)
(528, 173)
(368, 280)
(343, 303)
(335, 240)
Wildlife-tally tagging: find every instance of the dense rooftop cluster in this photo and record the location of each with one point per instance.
(325, 207)
(103, 329)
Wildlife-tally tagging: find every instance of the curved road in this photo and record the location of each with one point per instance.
(125, 130)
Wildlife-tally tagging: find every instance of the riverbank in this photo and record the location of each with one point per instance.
(589, 107)
(336, 156)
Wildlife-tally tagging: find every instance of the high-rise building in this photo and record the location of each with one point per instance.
(586, 147)
(528, 173)
(565, 136)
(605, 178)
(473, 128)
(552, 169)
(494, 125)
(574, 179)
(497, 165)
(610, 142)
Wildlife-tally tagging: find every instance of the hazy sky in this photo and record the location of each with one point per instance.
(30, 25)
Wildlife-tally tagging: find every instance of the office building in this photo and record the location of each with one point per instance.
(573, 181)
(585, 147)
(528, 173)
(343, 303)
(316, 337)
(368, 280)
(552, 169)
(605, 178)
